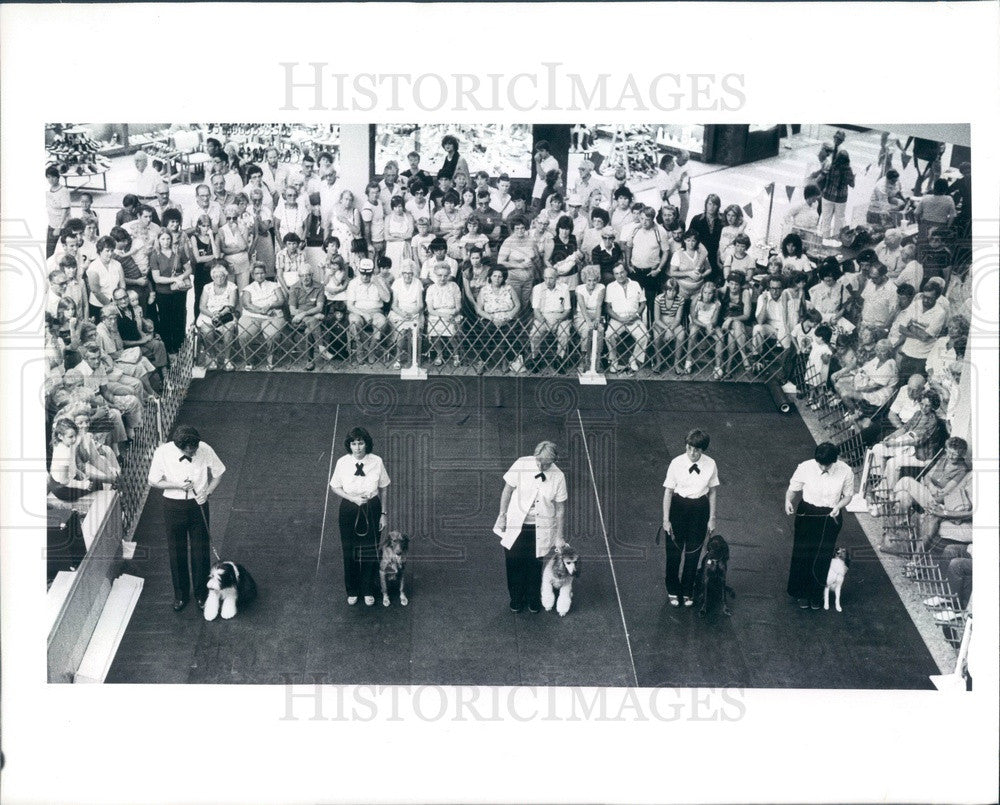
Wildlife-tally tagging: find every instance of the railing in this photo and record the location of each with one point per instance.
(469, 346)
(158, 417)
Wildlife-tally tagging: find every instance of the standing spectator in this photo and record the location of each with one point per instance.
(305, 304)
(373, 221)
(519, 255)
(690, 493)
(690, 266)
(274, 175)
(362, 483)
(919, 325)
(289, 214)
(839, 179)
(234, 243)
(188, 471)
(103, 275)
(147, 179)
(683, 185)
(934, 211)
(879, 302)
(57, 206)
(531, 522)
(647, 255)
(823, 487)
(709, 224)
(544, 162)
(454, 162)
(171, 279)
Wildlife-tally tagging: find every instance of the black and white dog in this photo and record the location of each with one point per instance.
(712, 587)
(562, 565)
(835, 577)
(230, 586)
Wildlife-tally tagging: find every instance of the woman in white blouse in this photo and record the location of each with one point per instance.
(263, 312)
(497, 307)
(817, 493)
(360, 480)
(407, 313)
(587, 319)
(216, 320)
(530, 523)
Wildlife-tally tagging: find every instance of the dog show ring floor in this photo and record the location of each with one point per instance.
(446, 443)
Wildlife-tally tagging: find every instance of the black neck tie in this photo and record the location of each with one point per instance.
(186, 458)
(542, 476)
(360, 469)
(694, 468)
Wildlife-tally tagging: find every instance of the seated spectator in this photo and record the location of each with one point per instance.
(137, 331)
(796, 356)
(690, 266)
(957, 560)
(668, 326)
(936, 525)
(771, 321)
(879, 301)
(873, 383)
(889, 253)
(590, 296)
(919, 325)
(703, 325)
(948, 385)
(365, 298)
(406, 316)
(887, 201)
(305, 304)
(263, 304)
(818, 366)
(948, 348)
(804, 216)
(626, 304)
(95, 459)
(598, 220)
(934, 210)
(216, 320)
(443, 301)
(607, 254)
(734, 316)
(935, 486)
(551, 306)
(829, 296)
(66, 481)
(128, 360)
(101, 378)
(497, 307)
(120, 424)
(911, 446)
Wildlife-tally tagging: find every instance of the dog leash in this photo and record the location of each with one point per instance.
(204, 519)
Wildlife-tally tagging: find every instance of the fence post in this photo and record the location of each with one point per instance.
(413, 371)
(196, 370)
(592, 377)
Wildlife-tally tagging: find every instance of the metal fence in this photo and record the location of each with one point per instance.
(469, 346)
(157, 419)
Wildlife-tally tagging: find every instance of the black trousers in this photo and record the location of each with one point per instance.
(524, 570)
(651, 286)
(171, 307)
(812, 549)
(184, 524)
(689, 521)
(359, 540)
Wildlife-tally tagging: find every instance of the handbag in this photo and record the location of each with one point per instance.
(223, 317)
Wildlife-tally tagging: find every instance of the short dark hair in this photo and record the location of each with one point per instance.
(934, 397)
(173, 214)
(52, 171)
(331, 239)
(940, 187)
(518, 220)
(354, 434)
(130, 200)
(892, 174)
(905, 289)
(254, 170)
(697, 439)
(185, 437)
(826, 453)
(824, 333)
(450, 138)
(384, 262)
(866, 256)
(542, 145)
(791, 241)
(105, 243)
(830, 267)
(957, 443)
(597, 212)
(291, 237)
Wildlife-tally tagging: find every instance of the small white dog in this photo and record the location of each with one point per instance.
(835, 577)
(229, 584)
(562, 565)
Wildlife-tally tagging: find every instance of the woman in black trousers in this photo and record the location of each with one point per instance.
(171, 279)
(360, 480)
(817, 492)
(689, 501)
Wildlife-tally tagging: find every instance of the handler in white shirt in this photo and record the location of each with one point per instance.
(532, 512)
(689, 504)
(824, 487)
(188, 471)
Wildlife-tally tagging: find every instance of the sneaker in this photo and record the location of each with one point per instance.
(455, 360)
(674, 600)
(687, 367)
(439, 361)
(803, 603)
(310, 366)
(369, 600)
(480, 367)
(397, 366)
(517, 365)
(615, 368)
(352, 600)
(229, 366)
(633, 365)
(936, 601)
(947, 616)
(789, 388)
(515, 607)
(327, 354)
(249, 367)
(270, 363)
(717, 374)
(688, 601)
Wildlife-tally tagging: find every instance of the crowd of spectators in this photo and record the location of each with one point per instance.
(486, 276)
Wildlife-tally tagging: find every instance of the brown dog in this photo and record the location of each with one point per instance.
(392, 550)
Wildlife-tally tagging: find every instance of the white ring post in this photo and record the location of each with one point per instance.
(592, 377)
(413, 371)
(196, 370)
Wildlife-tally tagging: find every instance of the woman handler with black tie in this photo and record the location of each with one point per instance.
(360, 480)
(824, 486)
(689, 500)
